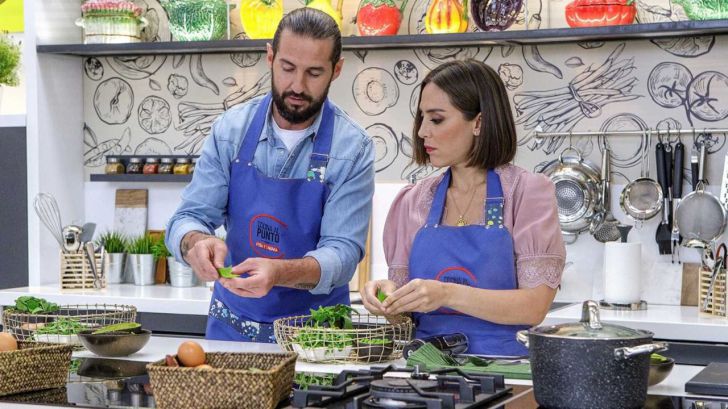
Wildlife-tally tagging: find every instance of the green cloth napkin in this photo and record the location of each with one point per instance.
(432, 358)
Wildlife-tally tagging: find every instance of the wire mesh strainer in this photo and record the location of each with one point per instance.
(642, 198)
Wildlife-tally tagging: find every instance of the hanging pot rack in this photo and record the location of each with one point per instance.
(658, 132)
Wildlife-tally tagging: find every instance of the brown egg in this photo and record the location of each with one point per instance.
(203, 366)
(190, 353)
(7, 342)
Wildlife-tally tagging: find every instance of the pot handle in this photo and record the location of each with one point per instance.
(590, 314)
(629, 352)
(522, 337)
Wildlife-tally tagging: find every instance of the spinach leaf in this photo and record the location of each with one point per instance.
(33, 305)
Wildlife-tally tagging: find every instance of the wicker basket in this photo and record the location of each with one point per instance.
(230, 384)
(23, 325)
(373, 339)
(34, 366)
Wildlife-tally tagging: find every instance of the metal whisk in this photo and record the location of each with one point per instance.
(46, 208)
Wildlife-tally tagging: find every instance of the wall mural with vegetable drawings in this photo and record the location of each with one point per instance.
(166, 104)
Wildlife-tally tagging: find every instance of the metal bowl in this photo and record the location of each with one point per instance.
(659, 371)
(114, 344)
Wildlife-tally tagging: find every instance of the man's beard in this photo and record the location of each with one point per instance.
(293, 115)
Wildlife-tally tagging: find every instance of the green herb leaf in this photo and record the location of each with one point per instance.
(33, 305)
(62, 326)
(380, 295)
(226, 272)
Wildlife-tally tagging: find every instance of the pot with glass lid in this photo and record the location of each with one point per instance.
(589, 364)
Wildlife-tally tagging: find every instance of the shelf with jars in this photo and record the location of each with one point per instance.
(147, 168)
(540, 36)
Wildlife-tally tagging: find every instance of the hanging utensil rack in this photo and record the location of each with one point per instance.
(668, 132)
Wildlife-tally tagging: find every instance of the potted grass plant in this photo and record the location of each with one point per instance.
(141, 259)
(114, 259)
(160, 251)
(180, 275)
(9, 62)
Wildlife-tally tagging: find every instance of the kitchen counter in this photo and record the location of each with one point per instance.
(668, 322)
(160, 346)
(163, 299)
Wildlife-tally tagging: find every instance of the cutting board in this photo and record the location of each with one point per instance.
(710, 381)
(690, 282)
(130, 212)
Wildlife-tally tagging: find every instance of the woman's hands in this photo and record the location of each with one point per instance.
(416, 296)
(369, 295)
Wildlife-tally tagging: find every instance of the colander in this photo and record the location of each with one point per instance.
(577, 184)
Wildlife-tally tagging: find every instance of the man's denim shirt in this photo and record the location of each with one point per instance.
(349, 175)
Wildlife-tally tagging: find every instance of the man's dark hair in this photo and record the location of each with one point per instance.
(311, 23)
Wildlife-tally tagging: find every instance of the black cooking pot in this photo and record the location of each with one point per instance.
(588, 364)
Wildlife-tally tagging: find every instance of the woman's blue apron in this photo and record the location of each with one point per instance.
(272, 218)
(475, 255)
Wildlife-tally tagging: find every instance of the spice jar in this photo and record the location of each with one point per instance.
(151, 167)
(182, 167)
(192, 166)
(134, 166)
(114, 166)
(166, 166)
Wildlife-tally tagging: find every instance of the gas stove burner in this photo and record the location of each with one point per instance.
(401, 385)
(387, 403)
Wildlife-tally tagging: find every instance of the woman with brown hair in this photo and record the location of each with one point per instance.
(478, 249)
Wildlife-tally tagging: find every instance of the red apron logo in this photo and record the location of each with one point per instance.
(264, 235)
(457, 275)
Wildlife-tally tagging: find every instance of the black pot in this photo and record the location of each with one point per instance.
(589, 364)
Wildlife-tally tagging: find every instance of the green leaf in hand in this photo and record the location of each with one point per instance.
(380, 295)
(226, 272)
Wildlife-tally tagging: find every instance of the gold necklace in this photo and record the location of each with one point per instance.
(461, 219)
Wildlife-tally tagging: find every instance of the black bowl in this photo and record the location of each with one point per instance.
(114, 343)
(373, 352)
(659, 370)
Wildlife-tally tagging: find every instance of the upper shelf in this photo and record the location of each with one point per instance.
(543, 36)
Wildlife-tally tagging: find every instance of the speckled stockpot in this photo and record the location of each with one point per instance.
(577, 369)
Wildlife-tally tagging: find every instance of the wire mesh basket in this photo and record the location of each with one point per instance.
(25, 326)
(372, 339)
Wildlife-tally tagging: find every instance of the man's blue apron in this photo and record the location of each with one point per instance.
(271, 218)
(476, 255)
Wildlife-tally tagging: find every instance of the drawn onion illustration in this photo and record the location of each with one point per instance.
(93, 68)
(113, 101)
(385, 145)
(375, 90)
(154, 115)
(406, 72)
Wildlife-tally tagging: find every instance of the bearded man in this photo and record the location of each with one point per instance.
(291, 177)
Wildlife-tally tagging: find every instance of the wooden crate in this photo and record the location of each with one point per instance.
(76, 272)
(716, 304)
